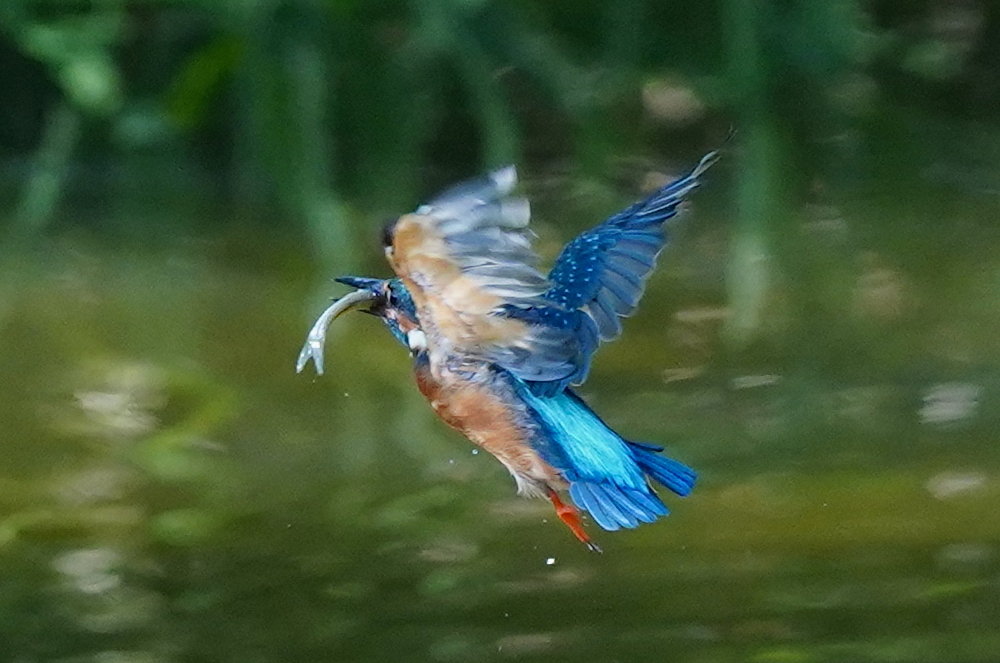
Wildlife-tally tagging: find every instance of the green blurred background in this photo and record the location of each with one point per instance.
(180, 180)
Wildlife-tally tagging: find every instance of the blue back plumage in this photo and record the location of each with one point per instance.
(590, 451)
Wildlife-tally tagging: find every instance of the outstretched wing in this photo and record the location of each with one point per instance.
(466, 257)
(603, 271)
(467, 260)
(600, 275)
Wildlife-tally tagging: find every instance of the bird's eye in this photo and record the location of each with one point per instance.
(388, 230)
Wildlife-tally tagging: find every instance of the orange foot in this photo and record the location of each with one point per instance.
(569, 515)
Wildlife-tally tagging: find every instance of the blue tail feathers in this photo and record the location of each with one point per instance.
(613, 507)
(676, 476)
(608, 476)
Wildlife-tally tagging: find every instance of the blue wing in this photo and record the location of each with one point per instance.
(600, 275)
(466, 258)
(607, 475)
(604, 269)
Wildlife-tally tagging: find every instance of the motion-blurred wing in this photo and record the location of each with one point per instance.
(600, 275)
(465, 257)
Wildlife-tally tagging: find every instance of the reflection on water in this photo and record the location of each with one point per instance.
(172, 491)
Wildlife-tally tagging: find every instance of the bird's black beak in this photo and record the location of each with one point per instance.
(360, 282)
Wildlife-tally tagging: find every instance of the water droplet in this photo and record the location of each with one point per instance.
(950, 484)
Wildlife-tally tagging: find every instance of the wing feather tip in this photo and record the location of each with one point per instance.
(505, 179)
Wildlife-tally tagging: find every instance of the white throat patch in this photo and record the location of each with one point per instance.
(417, 340)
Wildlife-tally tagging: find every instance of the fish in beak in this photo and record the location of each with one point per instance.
(369, 293)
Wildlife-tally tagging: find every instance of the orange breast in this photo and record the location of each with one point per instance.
(475, 411)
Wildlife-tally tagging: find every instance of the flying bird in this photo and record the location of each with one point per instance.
(497, 345)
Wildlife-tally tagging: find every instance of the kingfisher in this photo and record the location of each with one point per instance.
(497, 345)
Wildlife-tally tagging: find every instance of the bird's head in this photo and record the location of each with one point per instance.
(387, 299)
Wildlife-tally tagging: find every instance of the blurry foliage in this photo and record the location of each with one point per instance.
(330, 112)
(172, 489)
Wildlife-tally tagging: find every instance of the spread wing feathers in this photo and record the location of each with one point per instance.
(600, 275)
(608, 476)
(467, 259)
(466, 256)
(604, 270)
(481, 229)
